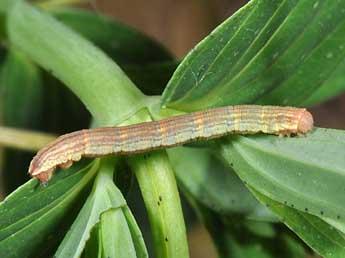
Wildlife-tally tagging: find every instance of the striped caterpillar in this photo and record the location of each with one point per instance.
(177, 130)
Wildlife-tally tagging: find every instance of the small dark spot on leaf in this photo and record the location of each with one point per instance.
(306, 209)
(231, 164)
(292, 206)
(338, 217)
(321, 212)
(285, 202)
(166, 239)
(160, 198)
(159, 203)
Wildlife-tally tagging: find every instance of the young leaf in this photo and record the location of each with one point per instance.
(105, 197)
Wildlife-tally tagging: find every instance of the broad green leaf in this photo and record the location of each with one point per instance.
(214, 184)
(325, 239)
(306, 173)
(272, 52)
(124, 44)
(104, 197)
(34, 214)
(81, 66)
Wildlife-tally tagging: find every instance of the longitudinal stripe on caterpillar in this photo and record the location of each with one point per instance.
(243, 119)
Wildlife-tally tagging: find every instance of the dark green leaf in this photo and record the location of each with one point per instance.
(34, 214)
(272, 52)
(21, 97)
(325, 239)
(124, 44)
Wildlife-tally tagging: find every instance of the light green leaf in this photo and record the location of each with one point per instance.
(34, 214)
(272, 52)
(116, 237)
(104, 197)
(305, 173)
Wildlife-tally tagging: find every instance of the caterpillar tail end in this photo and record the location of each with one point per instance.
(305, 123)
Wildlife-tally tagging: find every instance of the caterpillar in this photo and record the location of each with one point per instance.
(177, 130)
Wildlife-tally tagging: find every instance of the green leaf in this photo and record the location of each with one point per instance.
(34, 214)
(272, 52)
(116, 237)
(124, 44)
(323, 238)
(104, 197)
(214, 184)
(305, 173)
(84, 68)
(20, 91)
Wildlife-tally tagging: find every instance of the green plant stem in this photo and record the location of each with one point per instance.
(101, 85)
(24, 139)
(158, 186)
(50, 4)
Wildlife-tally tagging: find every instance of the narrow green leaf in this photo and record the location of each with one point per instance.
(323, 238)
(306, 173)
(20, 91)
(104, 197)
(116, 237)
(93, 248)
(272, 52)
(21, 99)
(34, 214)
(137, 237)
